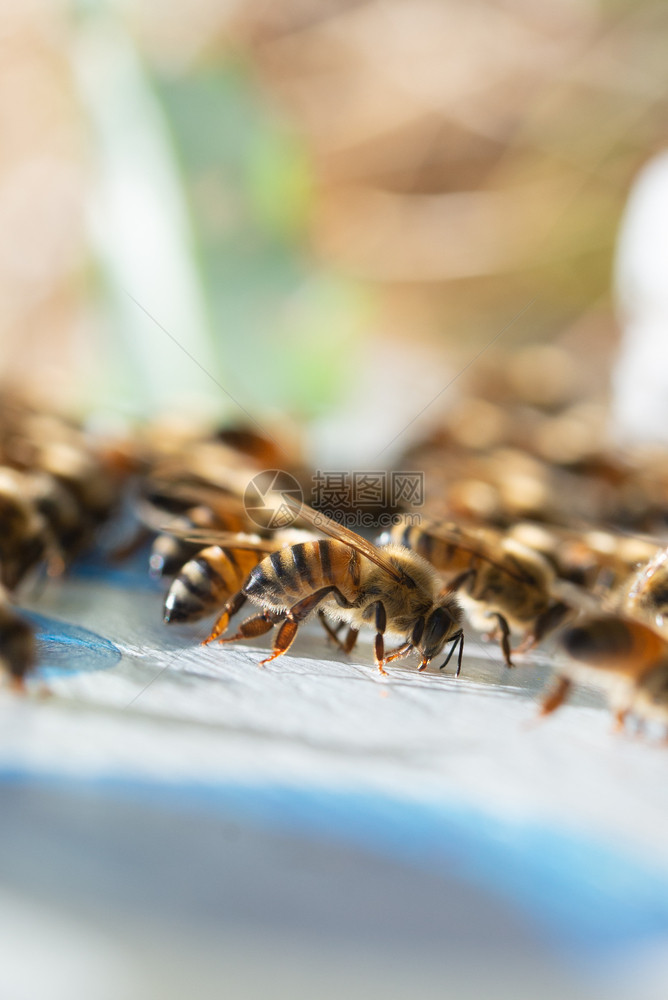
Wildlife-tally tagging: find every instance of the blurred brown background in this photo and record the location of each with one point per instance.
(363, 182)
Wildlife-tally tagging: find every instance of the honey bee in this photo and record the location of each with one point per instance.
(59, 510)
(597, 559)
(170, 551)
(650, 695)
(647, 597)
(622, 657)
(213, 578)
(92, 486)
(495, 578)
(177, 514)
(71, 487)
(24, 534)
(348, 580)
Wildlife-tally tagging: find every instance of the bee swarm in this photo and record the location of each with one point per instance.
(532, 524)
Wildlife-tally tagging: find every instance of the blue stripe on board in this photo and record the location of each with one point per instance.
(64, 649)
(585, 897)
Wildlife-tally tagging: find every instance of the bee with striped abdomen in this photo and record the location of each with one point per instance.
(349, 582)
(212, 579)
(625, 659)
(182, 514)
(171, 549)
(494, 576)
(647, 597)
(24, 534)
(597, 559)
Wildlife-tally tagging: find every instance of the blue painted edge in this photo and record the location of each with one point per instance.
(64, 649)
(590, 901)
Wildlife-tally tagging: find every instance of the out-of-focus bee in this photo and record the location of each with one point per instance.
(59, 510)
(92, 486)
(622, 657)
(170, 551)
(649, 701)
(24, 533)
(17, 642)
(213, 579)
(179, 514)
(347, 579)
(56, 488)
(205, 454)
(647, 597)
(72, 486)
(495, 577)
(200, 484)
(596, 559)
(265, 452)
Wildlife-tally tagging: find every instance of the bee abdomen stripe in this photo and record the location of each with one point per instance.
(197, 577)
(300, 559)
(285, 570)
(426, 545)
(325, 561)
(225, 565)
(229, 553)
(259, 581)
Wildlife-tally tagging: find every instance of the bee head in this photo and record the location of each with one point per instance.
(440, 625)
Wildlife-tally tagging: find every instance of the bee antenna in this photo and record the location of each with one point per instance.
(456, 640)
(461, 653)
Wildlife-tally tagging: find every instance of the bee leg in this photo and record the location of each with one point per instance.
(503, 635)
(230, 609)
(284, 639)
(255, 626)
(556, 697)
(297, 613)
(55, 561)
(378, 609)
(400, 651)
(458, 582)
(350, 640)
(332, 632)
(619, 718)
(16, 685)
(545, 623)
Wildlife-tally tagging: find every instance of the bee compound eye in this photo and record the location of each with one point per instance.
(418, 630)
(436, 628)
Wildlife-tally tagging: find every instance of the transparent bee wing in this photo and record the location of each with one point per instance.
(335, 530)
(196, 493)
(231, 539)
(455, 536)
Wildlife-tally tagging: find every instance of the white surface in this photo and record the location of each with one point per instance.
(316, 837)
(640, 384)
(203, 713)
